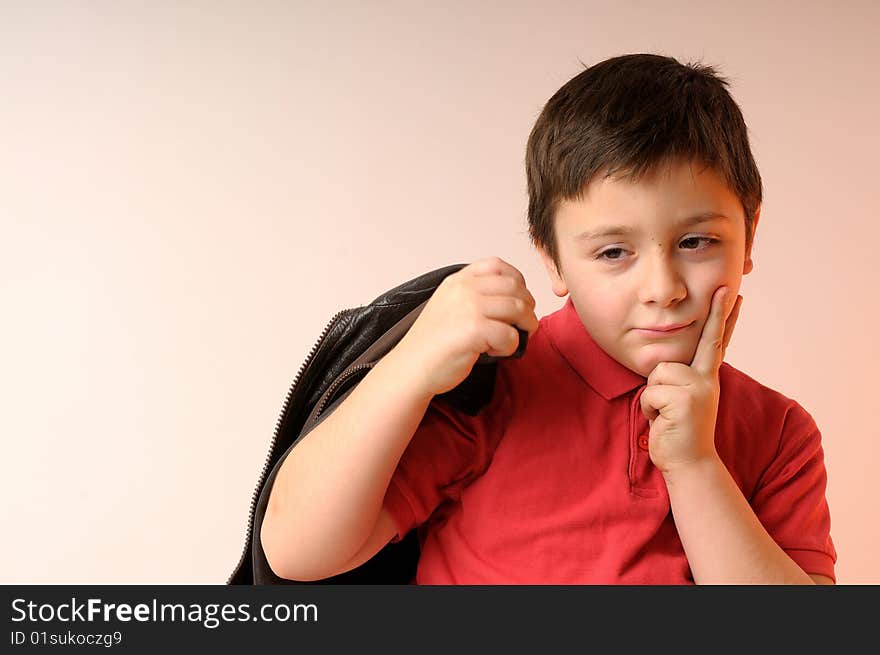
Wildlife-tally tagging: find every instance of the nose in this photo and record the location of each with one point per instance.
(662, 283)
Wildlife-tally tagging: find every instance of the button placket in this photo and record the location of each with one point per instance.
(641, 478)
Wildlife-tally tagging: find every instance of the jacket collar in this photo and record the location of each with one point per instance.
(597, 368)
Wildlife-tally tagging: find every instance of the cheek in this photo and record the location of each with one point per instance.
(704, 280)
(605, 310)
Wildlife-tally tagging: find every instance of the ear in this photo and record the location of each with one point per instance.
(748, 265)
(556, 282)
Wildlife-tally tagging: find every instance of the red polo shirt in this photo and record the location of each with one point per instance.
(552, 483)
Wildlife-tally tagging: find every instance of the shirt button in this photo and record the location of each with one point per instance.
(643, 442)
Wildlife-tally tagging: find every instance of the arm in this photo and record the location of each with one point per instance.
(724, 541)
(324, 514)
(324, 509)
(721, 533)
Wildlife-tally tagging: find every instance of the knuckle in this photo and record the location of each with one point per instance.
(483, 264)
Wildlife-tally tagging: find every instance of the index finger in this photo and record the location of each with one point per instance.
(495, 266)
(710, 350)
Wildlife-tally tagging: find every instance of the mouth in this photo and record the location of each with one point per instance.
(662, 331)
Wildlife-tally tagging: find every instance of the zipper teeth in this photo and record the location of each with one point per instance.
(256, 495)
(336, 384)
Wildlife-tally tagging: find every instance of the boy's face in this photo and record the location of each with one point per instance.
(662, 272)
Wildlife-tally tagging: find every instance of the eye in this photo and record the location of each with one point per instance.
(613, 251)
(709, 242)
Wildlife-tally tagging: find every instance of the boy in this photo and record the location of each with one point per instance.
(619, 448)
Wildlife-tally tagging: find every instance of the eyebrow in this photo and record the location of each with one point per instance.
(614, 230)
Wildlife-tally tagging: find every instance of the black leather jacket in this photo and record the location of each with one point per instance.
(349, 346)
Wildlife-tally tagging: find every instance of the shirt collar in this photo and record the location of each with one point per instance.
(597, 368)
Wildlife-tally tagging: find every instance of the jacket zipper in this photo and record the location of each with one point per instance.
(266, 463)
(328, 395)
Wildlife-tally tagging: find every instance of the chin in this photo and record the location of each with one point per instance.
(648, 361)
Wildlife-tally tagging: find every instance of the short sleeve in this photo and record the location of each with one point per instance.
(790, 496)
(447, 452)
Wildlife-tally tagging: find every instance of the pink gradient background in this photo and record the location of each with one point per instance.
(189, 191)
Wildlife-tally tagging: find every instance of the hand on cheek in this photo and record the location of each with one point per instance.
(680, 401)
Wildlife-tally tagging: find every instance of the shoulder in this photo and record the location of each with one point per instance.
(761, 431)
(745, 398)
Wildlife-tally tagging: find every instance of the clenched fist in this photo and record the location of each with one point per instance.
(472, 311)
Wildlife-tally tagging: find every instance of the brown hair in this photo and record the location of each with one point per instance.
(629, 115)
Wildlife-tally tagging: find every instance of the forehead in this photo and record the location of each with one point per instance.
(661, 199)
